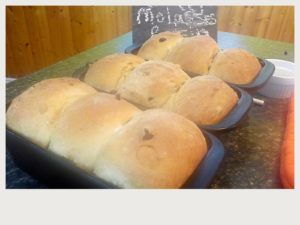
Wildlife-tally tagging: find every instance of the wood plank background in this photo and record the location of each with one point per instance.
(37, 36)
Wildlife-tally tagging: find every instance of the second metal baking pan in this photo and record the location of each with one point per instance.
(266, 72)
(58, 172)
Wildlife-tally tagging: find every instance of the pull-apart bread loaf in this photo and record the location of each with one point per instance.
(107, 73)
(159, 45)
(34, 112)
(236, 66)
(157, 149)
(200, 55)
(194, 54)
(107, 136)
(161, 84)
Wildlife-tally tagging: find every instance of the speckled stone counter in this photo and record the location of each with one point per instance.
(252, 149)
(252, 156)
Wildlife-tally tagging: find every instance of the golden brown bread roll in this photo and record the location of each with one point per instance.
(85, 126)
(236, 66)
(152, 83)
(205, 100)
(106, 73)
(34, 112)
(194, 54)
(156, 149)
(158, 46)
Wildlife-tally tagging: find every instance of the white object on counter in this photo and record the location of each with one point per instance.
(281, 84)
(258, 101)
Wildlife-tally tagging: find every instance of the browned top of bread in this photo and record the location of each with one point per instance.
(34, 112)
(156, 149)
(194, 54)
(236, 66)
(206, 100)
(106, 73)
(152, 83)
(159, 45)
(85, 126)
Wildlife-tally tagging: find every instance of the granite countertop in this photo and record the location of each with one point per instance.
(252, 149)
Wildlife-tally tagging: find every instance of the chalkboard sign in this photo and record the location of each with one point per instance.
(189, 20)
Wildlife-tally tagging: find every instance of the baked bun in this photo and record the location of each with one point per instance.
(106, 73)
(205, 100)
(194, 54)
(34, 112)
(152, 83)
(85, 126)
(158, 46)
(236, 66)
(156, 149)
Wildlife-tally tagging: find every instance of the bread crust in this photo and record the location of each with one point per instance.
(152, 83)
(85, 126)
(205, 100)
(194, 54)
(156, 149)
(159, 45)
(34, 112)
(236, 66)
(106, 73)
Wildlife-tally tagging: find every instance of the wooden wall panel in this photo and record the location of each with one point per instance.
(82, 22)
(20, 45)
(60, 31)
(37, 36)
(248, 20)
(262, 21)
(271, 22)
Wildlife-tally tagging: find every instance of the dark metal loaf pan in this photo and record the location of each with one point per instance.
(266, 72)
(58, 172)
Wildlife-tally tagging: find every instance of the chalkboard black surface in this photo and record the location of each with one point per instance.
(189, 20)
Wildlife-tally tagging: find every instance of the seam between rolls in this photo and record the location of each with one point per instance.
(213, 59)
(126, 75)
(172, 48)
(175, 93)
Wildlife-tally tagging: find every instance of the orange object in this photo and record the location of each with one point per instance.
(287, 152)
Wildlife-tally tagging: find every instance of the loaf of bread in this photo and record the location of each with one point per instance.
(194, 54)
(161, 84)
(158, 46)
(108, 136)
(206, 100)
(236, 66)
(108, 72)
(34, 112)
